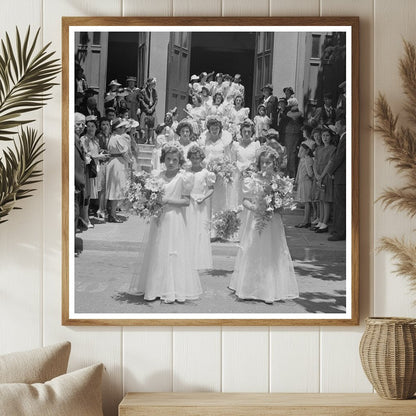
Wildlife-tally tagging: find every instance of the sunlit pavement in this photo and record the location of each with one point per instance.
(112, 254)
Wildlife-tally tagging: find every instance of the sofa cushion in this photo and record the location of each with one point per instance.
(73, 394)
(35, 366)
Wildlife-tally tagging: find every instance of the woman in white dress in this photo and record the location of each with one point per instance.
(198, 213)
(218, 107)
(206, 98)
(263, 268)
(117, 171)
(243, 153)
(238, 112)
(197, 112)
(167, 271)
(216, 144)
(219, 85)
(185, 132)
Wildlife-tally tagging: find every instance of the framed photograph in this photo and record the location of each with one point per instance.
(210, 171)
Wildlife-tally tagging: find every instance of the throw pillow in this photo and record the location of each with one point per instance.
(35, 366)
(73, 394)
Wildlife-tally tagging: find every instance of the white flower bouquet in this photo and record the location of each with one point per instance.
(144, 195)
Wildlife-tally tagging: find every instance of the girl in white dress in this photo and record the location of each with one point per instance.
(164, 133)
(261, 121)
(198, 213)
(263, 268)
(216, 144)
(167, 271)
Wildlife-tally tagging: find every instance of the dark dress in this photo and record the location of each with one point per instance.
(322, 156)
(147, 102)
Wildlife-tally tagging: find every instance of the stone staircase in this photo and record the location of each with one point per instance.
(144, 160)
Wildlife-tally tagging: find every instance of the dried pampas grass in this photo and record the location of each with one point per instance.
(401, 144)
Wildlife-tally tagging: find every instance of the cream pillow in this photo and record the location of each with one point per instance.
(73, 394)
(35, 366)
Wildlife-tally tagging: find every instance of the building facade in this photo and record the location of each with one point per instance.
(311, 63)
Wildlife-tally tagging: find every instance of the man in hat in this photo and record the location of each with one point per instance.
(80, 85)
(290, 121)
(337, 168)
(111, 95)
(270, 102)
(289, 93)
(325, 115)
(132, 98)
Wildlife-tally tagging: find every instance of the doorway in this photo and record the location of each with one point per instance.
(227, 52)
(122, 56)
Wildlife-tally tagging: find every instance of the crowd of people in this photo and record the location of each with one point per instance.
(217, 128)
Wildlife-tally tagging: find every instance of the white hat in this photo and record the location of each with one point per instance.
(133, 123)
(114, 82)
(79, 118)
(120, 123)
(292, 101)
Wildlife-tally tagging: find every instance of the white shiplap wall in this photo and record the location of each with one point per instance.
(261, 359)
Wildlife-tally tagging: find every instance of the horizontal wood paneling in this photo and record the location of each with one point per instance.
(294, 8)
(205, 8)
(245, 8)
(147, 8)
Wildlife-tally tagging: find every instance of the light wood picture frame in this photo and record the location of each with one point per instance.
(317, 57)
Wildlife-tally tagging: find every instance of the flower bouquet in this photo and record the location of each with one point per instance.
(226, 223)
(249, 171)
(144, 195)
(222, 168)
(277, 194)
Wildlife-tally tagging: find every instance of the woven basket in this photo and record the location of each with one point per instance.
(388, 356)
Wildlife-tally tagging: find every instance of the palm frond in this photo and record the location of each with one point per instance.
(19, 170)
(405, 255)
(25, 79)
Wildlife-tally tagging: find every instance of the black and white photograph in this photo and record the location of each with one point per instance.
(210, 172)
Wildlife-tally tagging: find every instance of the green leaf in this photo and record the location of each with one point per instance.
(26, 77)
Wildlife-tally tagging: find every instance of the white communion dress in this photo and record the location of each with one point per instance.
(199, 220)
(167, 271)
(263, 268)
(218, 150)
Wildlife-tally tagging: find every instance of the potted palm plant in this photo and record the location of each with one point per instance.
(26, 79)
